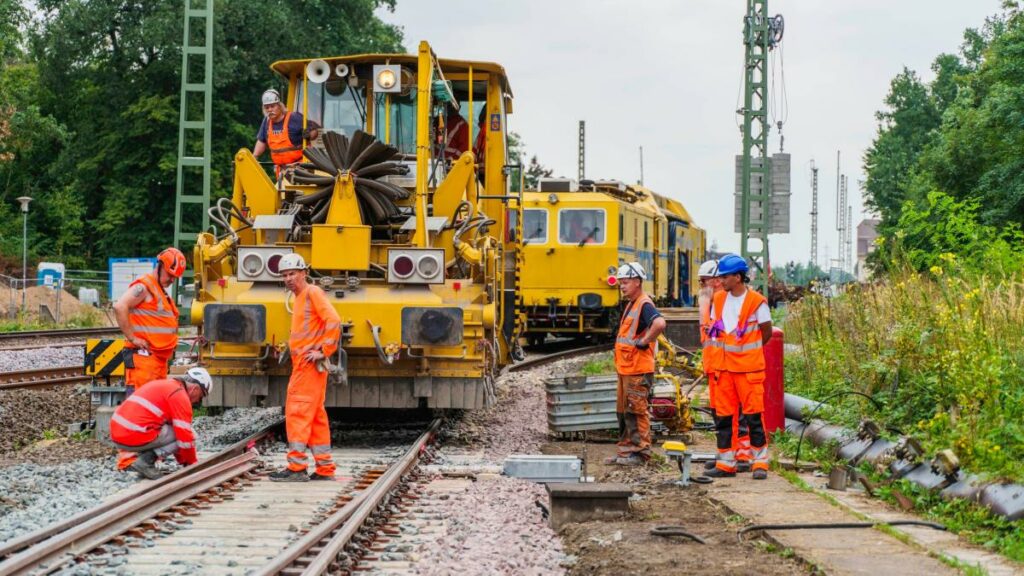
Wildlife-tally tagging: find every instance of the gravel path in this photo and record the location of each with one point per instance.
(14, 360)
(26, 416)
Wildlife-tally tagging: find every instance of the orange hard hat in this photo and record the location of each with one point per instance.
(173, 261)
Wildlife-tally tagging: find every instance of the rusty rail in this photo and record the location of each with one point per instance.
(42, 377)
(555, 356)
(60, 333)
(318, 549)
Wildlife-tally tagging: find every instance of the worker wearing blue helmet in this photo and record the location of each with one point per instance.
(741, 325)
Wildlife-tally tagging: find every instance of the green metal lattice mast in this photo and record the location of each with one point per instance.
(760, 35)
(194, 124)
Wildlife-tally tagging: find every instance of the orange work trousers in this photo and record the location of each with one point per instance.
(738, 400)
(634, 420)
(740, 430)
(147, 368)
(305, 419)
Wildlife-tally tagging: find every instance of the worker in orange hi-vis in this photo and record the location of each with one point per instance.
(148, 319)
(711, 360)
(315, 333)
(741, 325)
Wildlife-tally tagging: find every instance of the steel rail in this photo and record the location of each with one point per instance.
(53, 530)
(548, 358)
(60, 333)
(339, 528)
(42, 377)
(51, 554)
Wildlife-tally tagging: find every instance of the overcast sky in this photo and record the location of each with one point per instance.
(666, 74)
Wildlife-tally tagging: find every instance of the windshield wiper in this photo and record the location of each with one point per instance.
(527, 240)
(589, 236)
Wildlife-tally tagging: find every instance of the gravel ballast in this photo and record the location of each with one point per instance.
(14, 360)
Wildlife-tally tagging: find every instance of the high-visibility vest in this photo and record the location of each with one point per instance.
(712, 355)
(741, 348)
(138, 420)
(155, 320)
(630, 360)
(315, 324)
(282, 149)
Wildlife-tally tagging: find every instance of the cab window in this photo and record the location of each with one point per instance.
(535, 226)
(335, 105)
(402, 122)
(581, 226)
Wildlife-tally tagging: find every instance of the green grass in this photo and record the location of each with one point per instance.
(603, 364)
(90, 318)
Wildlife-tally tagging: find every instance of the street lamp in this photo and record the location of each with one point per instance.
(24, 250)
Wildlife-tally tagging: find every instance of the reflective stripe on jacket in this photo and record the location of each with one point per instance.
(282, 149)
(155, 320)
(741, 348)
(138, 420)
(629, 359)
(315, 325)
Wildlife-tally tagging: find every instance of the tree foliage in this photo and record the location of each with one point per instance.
(93, 86)
(952, 146)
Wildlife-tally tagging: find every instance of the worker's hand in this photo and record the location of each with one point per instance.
(139, 343)
(313, 355)
(306, 133)
(642, 346)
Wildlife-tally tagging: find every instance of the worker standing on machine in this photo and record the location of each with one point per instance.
(457, 133)
(156, 421)
(148, 318)
(282, 133)
(741, 325)
(711, 360)
(315, 333)
(635, 348)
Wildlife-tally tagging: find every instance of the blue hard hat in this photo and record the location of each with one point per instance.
(732, 264)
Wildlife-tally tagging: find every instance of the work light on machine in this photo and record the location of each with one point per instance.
(385, 78)
(252, 264)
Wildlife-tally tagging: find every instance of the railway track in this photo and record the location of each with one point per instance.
(40, 377)
(535, 361)
(37, 339)
(224, 516)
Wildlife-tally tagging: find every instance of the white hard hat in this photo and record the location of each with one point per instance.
(708, 269)
(201, 377)
(271, 97)
(291, 261)
(631, 270)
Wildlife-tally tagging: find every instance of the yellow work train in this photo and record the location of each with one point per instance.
(408, 244)
(574, 237)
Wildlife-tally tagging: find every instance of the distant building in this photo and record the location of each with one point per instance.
(867, 232)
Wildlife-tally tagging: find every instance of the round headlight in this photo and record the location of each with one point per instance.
(272, 264)
(403, 266)
(386, 79)
(252, 264)
(428, 266)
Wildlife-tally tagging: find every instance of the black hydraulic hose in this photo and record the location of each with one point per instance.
(836, 525)
(666, 531)
(810, 417)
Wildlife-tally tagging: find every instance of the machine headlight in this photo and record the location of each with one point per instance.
(428, 266)
(386, 79)
(252, 264)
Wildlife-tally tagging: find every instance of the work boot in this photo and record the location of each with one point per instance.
(760, 474)
(144, 465)
(719, 473)
(630, 461)
(743, 466)
(319, 476)
(709, 465)
(286, 475)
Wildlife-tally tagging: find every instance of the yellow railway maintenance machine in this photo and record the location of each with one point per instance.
(412, 248)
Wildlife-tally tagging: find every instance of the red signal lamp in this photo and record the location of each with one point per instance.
(613, 281)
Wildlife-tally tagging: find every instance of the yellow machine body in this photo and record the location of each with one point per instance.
(567, 277)
(243, 309)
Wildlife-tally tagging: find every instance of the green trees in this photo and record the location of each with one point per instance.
(95, 86)
(952, 147)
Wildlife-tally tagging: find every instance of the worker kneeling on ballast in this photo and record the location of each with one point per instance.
(740, 326)
(156, 421)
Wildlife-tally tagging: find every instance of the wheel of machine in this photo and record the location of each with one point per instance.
(535, 340)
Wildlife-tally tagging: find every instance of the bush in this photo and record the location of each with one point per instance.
(940, 351)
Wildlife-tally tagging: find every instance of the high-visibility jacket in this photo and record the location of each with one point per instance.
(315, 325)
(138, 420)
(711, 357)
(282, 149)
(742, 348)
(630, 360)
(155, 320)
(458, 139)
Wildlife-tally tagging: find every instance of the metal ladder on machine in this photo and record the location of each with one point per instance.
(198, 17)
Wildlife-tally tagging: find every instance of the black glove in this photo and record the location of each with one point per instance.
(642, 346)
